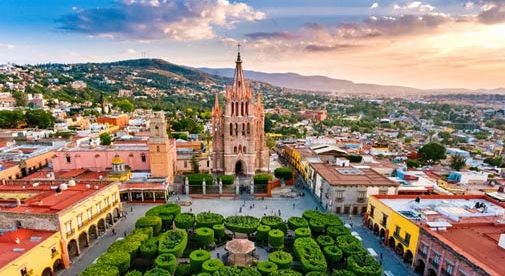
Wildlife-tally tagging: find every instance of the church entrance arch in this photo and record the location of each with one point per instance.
(239, 168)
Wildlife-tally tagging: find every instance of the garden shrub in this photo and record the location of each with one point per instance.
(286, 272)
(276, 238)
(212, 265)
(283, 173)
(274, 222)
(316, 273)
(183, 270)
(227, 179)
(184, 220)
(262, 233)
(332, 253)
(149, 248)
(249, 271)
(173, 241)
(150, 221)
(297, 222)
(342, 272)
(316, 226)
(325, 240)
(197, 258)
(262, 178)
(266, 267)
(218, 231)
(157, 272)
(133, 273)
(119, 259)
(207, 219)
(166, 261)
(197, 179)
(131, 247)
(204, 274)
(302, 232)
(309, 254)
(336, 231)
(349, 245)
(145, 231)
(281, 258)
(228, 271)
(100, 270)
(242, 224)
(166, 212)
(364, 264)
(309, 214)
(204, 236)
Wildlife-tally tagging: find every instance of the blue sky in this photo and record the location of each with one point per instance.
(428, 44)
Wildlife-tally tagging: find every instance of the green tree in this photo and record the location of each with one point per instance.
(125, 105)
(195, 166)
(20, 97)
(431, 153)
(105, 139)
(39, 118)
(457, 162)
(11, 119)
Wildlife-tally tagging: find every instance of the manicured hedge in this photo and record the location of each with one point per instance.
(276, 238)
(322, 218)
(242, 224)
(333, 253)
(157, 272)
(349, 245)
(197, 179)
(166, 261)
(281, 258)
(100, 270)
(236, 271)
(297, 222)
(309, 254)
(266, 267)
(131, 247)
(145, 231)
(204, 236)
(150, 221)
(183, 269)
(283, 173)
(218, 231)
(309, 214)
(342, 272)
(364, 264)
(207, 219)
(119, 259)
(227, 179)
(212, 265)
(173, 241)
(262, 233)
(184, 220)
(336, 231)
(286, 272)
(316, 273)
(316, 226)
(274, 222)
(302, 232)
(325, 240)
(204, 274)
(262, 178)
(166, 212)
(197, 258)
(133, 273)
(149, 248)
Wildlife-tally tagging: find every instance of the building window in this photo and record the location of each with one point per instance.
(79, 220)
(54, 252)
(208, 163)
(248, 128)
(449, 268)
(361, 196)
(372, 211)
(339, 196)
(90, 213)
(69, 159)
(158, 148)
(407, 238)
(113, 198)
(236, 129)
(243, 129)
(383, 191)
(107, 201)
(99, 207)
(397, 230)
(243, 149)
(384, 221)
(235, 149)
(23, 271)
(68, 227)
(232, 108)
(143, 157)
(185, 164)
(231, 129)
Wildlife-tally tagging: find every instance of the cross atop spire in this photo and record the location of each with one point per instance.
(238, 50)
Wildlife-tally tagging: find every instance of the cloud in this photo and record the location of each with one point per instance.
(271, 35)
(492, 12)
(7, 46)
(469, 5)
(328, 48)
(374, 5)
(157, 19)
(131, 51)
(406, 24)
(415, 6)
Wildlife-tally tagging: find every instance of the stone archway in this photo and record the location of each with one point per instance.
(376, 229)
(83, 240)
(47, 272)
(408, 257)
(92, 233)
(101, 227)
(73, 249)
(431, 272)
(382, 234)
(420, 267)
(108, 219)
(391, 242)
(58, 265)
(399, 249)
(117, 214)
(240, 168)
(370, 224)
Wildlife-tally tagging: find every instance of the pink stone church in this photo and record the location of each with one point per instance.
(239, 145)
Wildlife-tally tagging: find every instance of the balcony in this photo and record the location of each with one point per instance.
(434, 263)
(401, 239)
(70, 233)
(384, 223)
(421, 253)
(361, 200)
(93, 217)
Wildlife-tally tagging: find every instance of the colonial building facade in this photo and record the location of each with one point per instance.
(238, 131)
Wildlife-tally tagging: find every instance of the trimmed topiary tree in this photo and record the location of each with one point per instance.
(332, 253)
(129, 246)
(204, 236)
(227, 179)
(316, 273)
(144, 231)
(262, 233)
(207, 219)
(218, 231)
(281, 258)
(274, 222)
(286, 272)
(297, 222)
(196, 179)
(325, 240)
(150, 221)
(184, 220)
(242, 224)
(316, 226)
(276, 238)
(266, 267)
(119, 259)
(302, 232)
(166, 261)
(133, 273)
(309, 254)
(157, 272)
(212, 265)
(283, 173)
(100, 270)
(336, 231)
(364, 264)
(349, 245)
(173, 241)
(197, 258)
(262, 178)
(149, 248)
(204, 274)
(166, 212)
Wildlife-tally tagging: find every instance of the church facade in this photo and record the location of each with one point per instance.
(239, 145)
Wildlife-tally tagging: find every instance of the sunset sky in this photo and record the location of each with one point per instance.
(424, 44)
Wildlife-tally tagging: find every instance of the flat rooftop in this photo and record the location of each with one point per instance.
(337, 176)
(28, 239)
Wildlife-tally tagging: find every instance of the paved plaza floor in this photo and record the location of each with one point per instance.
(227, 207)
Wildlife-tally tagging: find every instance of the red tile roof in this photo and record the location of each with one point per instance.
(8, 243)
(351, 176)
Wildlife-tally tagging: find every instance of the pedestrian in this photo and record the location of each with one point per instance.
(113, 231)
(381, 256)
(240, 210)
(191, 210)
(124, 234)
(294, 205)
(131, 209)
(350, 224)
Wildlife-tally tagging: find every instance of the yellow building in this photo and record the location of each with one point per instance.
(79, 212)
(396, 227)
(30, 252)
(120, 172)
(294, 157)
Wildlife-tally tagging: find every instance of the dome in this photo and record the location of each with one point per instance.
(117, 160)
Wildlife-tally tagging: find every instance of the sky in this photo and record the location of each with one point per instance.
(423, 44)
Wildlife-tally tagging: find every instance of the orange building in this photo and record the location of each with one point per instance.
(120, 120)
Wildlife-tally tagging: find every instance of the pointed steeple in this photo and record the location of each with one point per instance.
(216, 110)
(239, 89)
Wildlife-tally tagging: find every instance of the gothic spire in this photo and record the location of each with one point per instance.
(239, 89)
